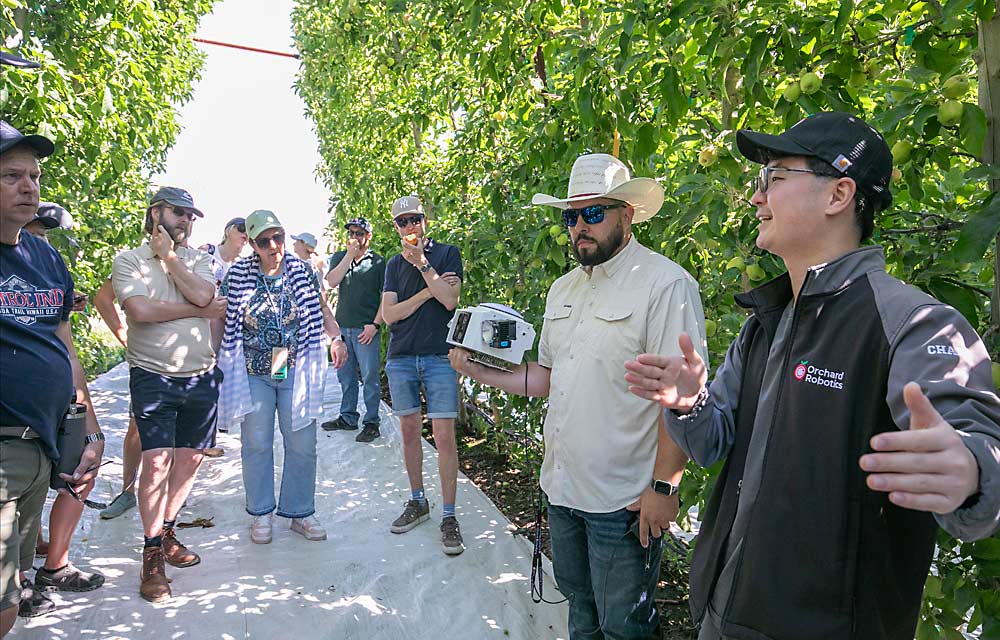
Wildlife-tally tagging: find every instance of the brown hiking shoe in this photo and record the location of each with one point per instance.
(175, 553)
(153, 578)
(416, 511)
(451, 536)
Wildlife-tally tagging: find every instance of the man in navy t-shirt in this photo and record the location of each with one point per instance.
(40, 368)
(421, 291)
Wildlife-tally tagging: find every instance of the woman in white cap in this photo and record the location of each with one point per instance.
(273, 360)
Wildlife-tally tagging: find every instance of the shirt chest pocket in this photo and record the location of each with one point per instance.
(618, 327)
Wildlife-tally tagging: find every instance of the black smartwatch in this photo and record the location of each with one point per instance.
(664, 488)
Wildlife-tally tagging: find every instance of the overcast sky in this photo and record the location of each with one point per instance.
(245, 142)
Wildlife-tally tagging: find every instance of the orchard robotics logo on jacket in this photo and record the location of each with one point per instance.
(819, 376)
(26, 303)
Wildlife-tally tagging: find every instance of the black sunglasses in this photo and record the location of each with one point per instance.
(264, 243)
(360, 233)
(405, 221)
(241, 227)
(594, 214)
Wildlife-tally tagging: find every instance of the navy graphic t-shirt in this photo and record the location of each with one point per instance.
(36, 294)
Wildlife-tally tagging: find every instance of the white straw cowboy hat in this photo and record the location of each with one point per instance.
(599, 175)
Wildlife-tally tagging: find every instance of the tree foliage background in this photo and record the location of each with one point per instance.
(113, 74)
(475, 105)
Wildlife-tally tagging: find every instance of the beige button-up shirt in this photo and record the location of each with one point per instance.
(180, 348)
(600, 440)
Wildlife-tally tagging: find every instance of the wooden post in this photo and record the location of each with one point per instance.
(988, 59)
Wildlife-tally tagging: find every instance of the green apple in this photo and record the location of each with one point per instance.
(792, 92)
(810, 83)
(552, 128)
(710, 328)
(708, 156)
(555, 230)
(755, 272)
(901, 89)
(955, 87)
(562, 240)
(901, 151)
(897, 175)
(950, 113)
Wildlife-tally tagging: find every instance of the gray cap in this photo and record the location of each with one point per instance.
(53, 216)
(406, 204)
(307, 238)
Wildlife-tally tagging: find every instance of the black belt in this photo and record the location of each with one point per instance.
(18, 433)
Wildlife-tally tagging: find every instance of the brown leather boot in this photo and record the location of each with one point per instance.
(175, 553)
(153, 578)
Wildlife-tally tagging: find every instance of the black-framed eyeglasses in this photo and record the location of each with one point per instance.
(360, 233)
(594, 214)
(275, 238)
(764, 177)
(405, 221)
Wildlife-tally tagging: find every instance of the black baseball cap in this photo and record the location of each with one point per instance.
(53, 216)
(237, 222)
(358, 222)
(15, 60)
(11, 137)
(846, 142)
(176, 197)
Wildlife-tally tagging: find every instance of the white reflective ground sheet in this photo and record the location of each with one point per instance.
(363, 582)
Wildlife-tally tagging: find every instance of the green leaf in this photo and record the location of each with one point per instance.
(972, 129)
(983, 172)
(978, 233)
(645, 142)
(843, 15)
(957, 296)
(988, 549)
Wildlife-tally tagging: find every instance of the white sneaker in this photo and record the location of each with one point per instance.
(309, 528)
(260, 528)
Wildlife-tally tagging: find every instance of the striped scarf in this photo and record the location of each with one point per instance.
(310, 359)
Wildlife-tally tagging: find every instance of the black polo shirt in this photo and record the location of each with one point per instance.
(425, 332)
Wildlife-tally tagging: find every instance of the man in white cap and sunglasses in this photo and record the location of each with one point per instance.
(855, 414)
(610, 474)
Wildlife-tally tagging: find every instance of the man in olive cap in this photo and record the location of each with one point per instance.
(167, 291)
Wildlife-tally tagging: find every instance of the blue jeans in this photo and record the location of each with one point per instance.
(406, 375)
(609, 578)
(368, 357)
(298, 476)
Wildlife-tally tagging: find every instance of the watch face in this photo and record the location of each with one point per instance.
(665, 488)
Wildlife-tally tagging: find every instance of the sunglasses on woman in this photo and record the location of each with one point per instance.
(264, 243)
(594, 214)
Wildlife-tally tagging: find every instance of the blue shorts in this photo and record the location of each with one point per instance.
(173, 412)
(440, 383)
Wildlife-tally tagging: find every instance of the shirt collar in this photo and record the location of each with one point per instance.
(614, 265)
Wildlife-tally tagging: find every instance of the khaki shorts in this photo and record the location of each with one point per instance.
(24, 483)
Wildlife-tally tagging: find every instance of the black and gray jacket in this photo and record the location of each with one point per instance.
(793, 544)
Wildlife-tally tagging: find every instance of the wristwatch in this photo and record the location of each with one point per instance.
(93, 437)
(425, 268)
(665, 488)
(335, 338)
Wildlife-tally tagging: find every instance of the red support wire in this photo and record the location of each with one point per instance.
(246, 48)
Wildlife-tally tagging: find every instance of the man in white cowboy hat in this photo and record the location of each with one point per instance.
(610, 473)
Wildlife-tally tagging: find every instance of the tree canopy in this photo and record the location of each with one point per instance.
(475, 106)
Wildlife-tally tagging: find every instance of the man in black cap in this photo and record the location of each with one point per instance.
(856, 414)
(359, 274)
(39, 374)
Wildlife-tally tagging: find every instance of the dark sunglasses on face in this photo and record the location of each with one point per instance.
(276, 239)
(594, 214)
(405, 221)
(242, 228)
(360, 233)
(181, 212)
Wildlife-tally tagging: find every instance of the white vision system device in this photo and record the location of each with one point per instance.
(496, 335)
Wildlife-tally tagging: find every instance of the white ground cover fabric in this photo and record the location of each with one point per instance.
(362, 583)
